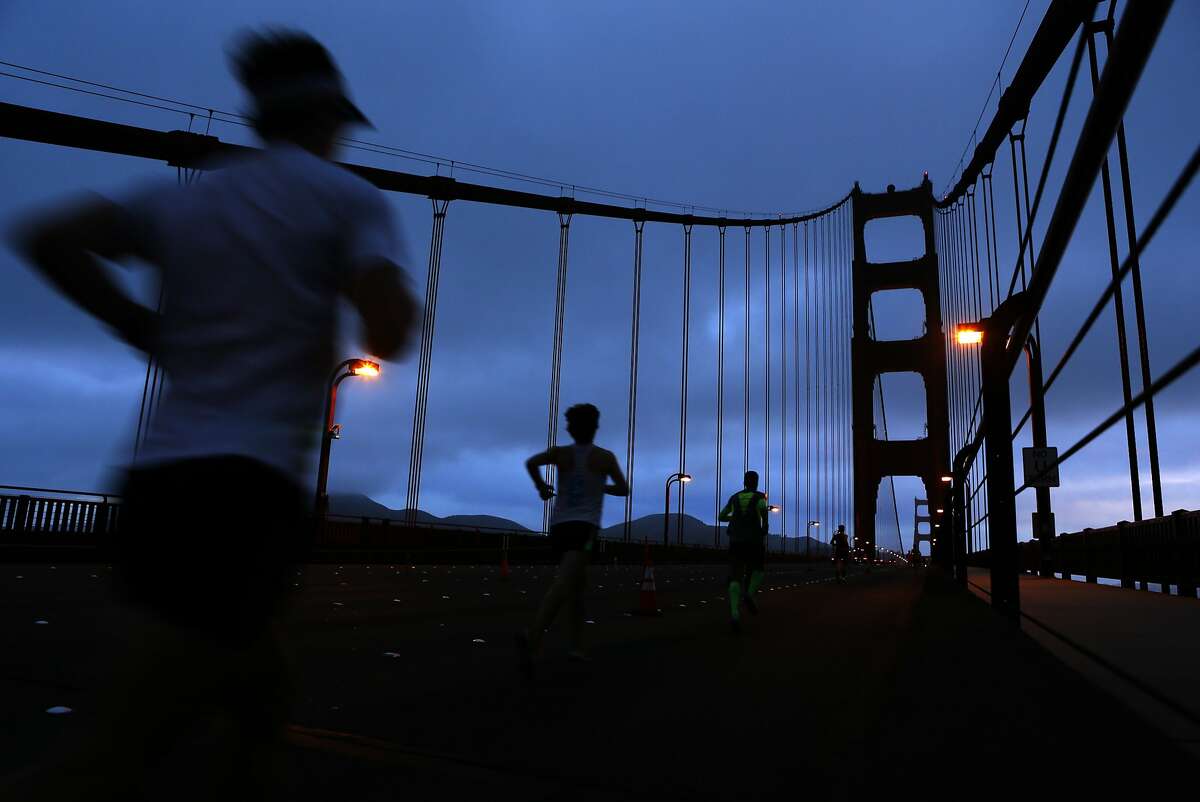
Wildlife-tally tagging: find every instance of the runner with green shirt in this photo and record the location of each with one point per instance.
(746, 512)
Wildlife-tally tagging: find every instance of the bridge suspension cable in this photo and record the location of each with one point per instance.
(720, 477)
(425, 360)
(683, 375)
(634, 339)
(560, 313)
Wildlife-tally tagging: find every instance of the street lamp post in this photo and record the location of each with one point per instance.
(352, 367)
(997, 424)
(808, 540)
(774, 508)
(675, 477)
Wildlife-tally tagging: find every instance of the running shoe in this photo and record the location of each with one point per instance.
(735, 626)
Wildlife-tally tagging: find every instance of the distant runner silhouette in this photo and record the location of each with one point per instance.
(841, 552)
(747, 515)
(584, 471)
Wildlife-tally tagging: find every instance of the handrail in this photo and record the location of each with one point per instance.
(104, 496)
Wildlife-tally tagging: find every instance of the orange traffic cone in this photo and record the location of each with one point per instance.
(648, 601)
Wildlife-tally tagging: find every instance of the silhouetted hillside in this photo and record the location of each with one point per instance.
(696, 533)
(356, 505)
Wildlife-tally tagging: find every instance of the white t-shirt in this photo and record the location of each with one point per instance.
(580, 494)
(255, 257)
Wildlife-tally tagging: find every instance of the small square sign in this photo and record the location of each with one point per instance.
(1040, 467)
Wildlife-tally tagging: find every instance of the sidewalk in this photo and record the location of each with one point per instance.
(1142, 647)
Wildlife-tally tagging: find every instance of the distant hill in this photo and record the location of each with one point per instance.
(356, 505)
(697, 533)
(484, 522)
(648, 528)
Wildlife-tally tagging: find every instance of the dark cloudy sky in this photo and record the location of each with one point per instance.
(754, 106)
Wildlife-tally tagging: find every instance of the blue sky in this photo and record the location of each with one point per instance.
(764, 106)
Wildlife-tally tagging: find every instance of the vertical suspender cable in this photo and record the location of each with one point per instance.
(1118, 311)
(560, 309)
(767, 359)
(836, 386)
(827, 341)
(847, 371)
(152, 385)
(817, 349)
(991, 186)
(1037, 325)
(634, 336)
(746, 364)
(1131, 238)
(808, 434)
(717, 484)
(987, 239)
(1012, 147)
(683, 372)
(977, 314)
(848, 355)
(796, 528)
(783, 367)
(145, 410)
(428, 321)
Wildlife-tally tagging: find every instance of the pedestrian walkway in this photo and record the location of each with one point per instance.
(1142, 647)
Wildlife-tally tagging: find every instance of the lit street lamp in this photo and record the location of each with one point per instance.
(774, 508)
(675, 477)
(808, 540)
(331, 431)
(969, 335)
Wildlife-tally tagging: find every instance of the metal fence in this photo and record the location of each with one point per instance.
(1163, 551)
(33, 513)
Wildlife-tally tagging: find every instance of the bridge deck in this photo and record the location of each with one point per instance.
(892, 679)
(1142, 647)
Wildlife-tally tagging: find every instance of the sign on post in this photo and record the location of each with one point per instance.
(1040, 467)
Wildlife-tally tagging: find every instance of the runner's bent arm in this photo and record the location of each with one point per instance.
(63, 247)
(619, 486)
(374, 283)
(727, 513)
(380, 293)
(532, 464)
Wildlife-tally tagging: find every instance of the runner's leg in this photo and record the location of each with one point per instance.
(552, 602)
(737, 572)
(578, 561)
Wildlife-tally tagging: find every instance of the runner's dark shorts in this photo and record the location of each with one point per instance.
(211, 544)
(572, 536)
(746, 557)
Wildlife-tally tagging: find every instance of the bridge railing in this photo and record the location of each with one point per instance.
(40, 518)
(32, 511)
(1164, 551)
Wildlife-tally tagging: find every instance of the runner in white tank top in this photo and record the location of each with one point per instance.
(582, 489)
(583, 470)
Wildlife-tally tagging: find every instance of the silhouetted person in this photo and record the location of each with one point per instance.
(747, 515)
(253, 259)
(584, 471)
(841, 552)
